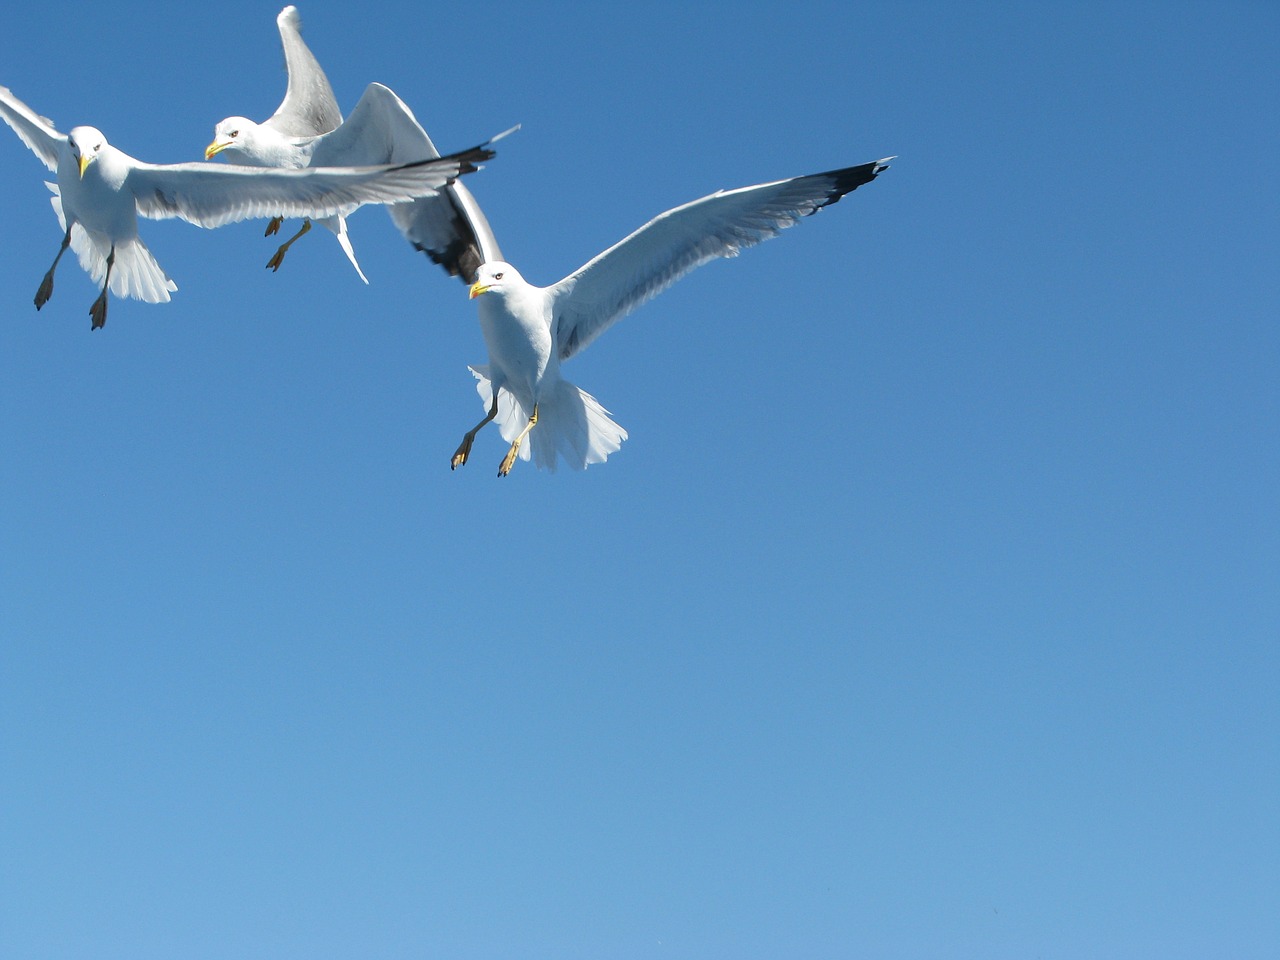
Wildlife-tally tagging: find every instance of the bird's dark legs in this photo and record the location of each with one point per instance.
(274, 226)
(99, 309)
(464, 449)
(46, 285)
(274, 262)
(509, 460)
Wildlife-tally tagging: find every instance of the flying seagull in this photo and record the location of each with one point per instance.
(309, 109)
(307, 130)
(531, 330)
(101, 191)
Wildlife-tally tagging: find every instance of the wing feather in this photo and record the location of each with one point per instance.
(35, 131)
(309, 107)
(211, 195)
(638, 268)
(381, 129)
(449, 226)
(451, 229)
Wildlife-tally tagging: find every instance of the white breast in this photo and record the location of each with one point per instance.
(517, 331)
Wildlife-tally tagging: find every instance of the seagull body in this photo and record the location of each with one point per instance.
(308, 130)
(531, 330)
(101, 191)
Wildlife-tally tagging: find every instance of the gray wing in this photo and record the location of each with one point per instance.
(34, 130)
(210, 195)
(603, 291)
(448, 227)
(309, 107)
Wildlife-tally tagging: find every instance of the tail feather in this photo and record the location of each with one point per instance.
(339, 227)
(571, 425)
(134, 273)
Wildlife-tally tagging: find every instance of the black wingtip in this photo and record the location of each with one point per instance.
(848, 179)
(468, 160)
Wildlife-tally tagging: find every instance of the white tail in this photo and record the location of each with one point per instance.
(135, 272)
(339, 227)
(571, 424)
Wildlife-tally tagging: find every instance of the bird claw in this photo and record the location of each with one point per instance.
(98, 312)
(274, 226)
(45, 291)
(460, 457)
(509, 460)
(274, 263)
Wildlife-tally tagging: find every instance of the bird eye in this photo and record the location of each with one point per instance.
(233, 134)
(497, 276)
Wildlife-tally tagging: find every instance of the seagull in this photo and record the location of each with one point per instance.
(530, 331)
(307, 130)
(101, 191)
(309, 109)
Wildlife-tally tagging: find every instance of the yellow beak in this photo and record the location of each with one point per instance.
(85, 160)
(215, 148)
(477, 289)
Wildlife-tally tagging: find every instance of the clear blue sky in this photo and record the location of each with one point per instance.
(931, 609)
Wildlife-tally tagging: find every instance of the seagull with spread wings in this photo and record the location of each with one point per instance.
(101, 191)
(307, 130)
(531, 330)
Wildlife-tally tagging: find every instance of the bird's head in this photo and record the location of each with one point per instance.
(232, 132)
(495, 277)
(86, 144)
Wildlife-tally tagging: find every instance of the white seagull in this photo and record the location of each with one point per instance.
(307, 130)
(101, 191)
(531, 330)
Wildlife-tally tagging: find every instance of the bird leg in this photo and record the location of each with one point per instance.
(99, 309)
(509, 460)
(46, 285)
(274, 226)
(274, 262)
(464, 448)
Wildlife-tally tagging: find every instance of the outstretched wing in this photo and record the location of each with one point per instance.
(309, 107)
(448, 227)
(210, 195)
(34, 130)
(674, 243)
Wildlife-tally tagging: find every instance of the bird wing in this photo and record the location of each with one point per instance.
(674, 243)
(309, 107)
(210, 195)
(449, 227)
(381, 129)
(34, 130)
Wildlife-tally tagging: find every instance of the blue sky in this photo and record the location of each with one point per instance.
(930, 610)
